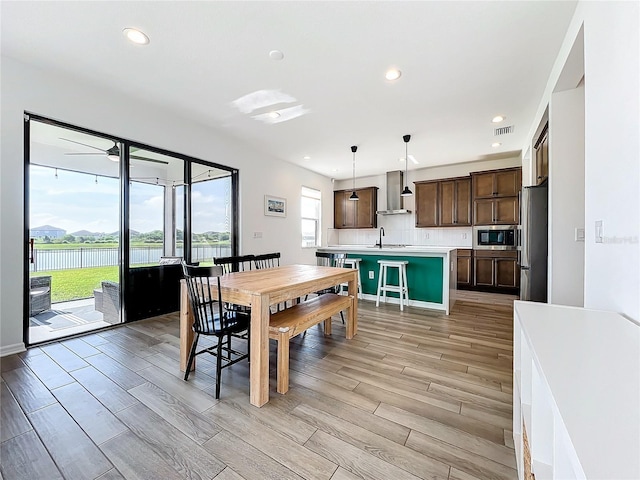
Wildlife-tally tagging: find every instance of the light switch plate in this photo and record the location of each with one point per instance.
(371, 275)
(257, 234)
(599, 231)
(579, 234)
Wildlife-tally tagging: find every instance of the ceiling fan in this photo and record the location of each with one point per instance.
(112, 153)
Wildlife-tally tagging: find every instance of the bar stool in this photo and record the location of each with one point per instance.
(401, 288)
(352, 263)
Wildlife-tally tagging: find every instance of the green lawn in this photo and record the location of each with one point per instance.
(77, 283)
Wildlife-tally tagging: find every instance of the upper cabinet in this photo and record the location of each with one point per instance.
(355, 213)
(455, 202)
(541, 148)
(443, 203)
(426, 204)
(495, 197)
(497, 183)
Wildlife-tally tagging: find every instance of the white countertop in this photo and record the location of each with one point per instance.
(408, 250)
(591, 361)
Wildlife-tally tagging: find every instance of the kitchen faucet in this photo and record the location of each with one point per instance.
(381, 235)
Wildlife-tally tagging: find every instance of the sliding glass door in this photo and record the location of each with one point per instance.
(211, 213)
(73, 225)
(108, 222)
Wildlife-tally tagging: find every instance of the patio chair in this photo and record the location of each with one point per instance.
(39, 294)
(110, 302)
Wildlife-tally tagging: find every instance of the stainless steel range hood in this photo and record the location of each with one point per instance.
(395, 202)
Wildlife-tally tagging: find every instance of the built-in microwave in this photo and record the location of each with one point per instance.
(495, 237)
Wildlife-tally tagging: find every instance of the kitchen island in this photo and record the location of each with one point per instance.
(431, 272)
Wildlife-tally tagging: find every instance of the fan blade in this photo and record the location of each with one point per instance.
(87, 153)
(80, 143)
(135, 157)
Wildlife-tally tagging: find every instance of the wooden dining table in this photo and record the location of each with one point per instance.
(260, 289)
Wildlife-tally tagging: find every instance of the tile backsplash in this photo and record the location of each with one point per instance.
(401, 229)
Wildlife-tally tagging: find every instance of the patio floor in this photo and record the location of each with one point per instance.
(65, 318)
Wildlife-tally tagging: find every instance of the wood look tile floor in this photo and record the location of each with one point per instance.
(416, 394)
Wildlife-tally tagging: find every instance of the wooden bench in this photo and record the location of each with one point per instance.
(294, 320)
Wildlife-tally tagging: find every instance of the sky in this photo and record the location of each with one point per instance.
(74, 201)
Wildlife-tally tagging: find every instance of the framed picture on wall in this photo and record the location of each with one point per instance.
(275, 206)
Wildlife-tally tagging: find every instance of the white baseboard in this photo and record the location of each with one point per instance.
(11, 349)
(412, 303)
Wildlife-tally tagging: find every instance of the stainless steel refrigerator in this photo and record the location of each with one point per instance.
(534, 243)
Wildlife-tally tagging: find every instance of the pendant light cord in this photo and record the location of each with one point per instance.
(406, 164)
(354, 171)
(354, 195)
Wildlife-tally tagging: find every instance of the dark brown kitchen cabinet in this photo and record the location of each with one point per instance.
(496, 211)
(455, 202)
(355, 213)
(495, 196)
(497, 183)
(465, 278)
(507, 273)
(542, 155)
(496, 270)
(484, 272)
(427, 204)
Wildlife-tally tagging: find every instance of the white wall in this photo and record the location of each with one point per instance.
(612, 146)
(401, 228)
(70, 100)
(566, 197)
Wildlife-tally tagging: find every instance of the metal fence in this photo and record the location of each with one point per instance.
(72, 258)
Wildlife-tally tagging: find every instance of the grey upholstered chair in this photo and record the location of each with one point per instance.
(39, 294)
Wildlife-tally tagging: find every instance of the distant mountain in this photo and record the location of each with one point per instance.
(49, 227)
(86, 233)
(131, 232)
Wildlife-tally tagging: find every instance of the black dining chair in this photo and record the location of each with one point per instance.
(238, 263)
(267, 260)
(212, 318)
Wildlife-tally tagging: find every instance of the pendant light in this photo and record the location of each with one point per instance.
(406, 192)
(354, 195)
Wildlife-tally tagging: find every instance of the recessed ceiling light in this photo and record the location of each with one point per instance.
(136, 36)
(392, 74)
(498, 118)
(496, 144)
(306, 157)
(276, 55)
(274, 115)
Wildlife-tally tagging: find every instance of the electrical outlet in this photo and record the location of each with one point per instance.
(464, 236)
(371, 275)
(426, 235)
(257, 234)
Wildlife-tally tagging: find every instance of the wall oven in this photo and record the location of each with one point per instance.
(495, 237)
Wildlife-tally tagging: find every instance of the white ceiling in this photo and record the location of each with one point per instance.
(462, 63)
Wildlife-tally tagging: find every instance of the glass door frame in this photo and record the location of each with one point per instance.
(124, 207)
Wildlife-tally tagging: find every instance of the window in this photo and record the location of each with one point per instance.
(311, 207)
